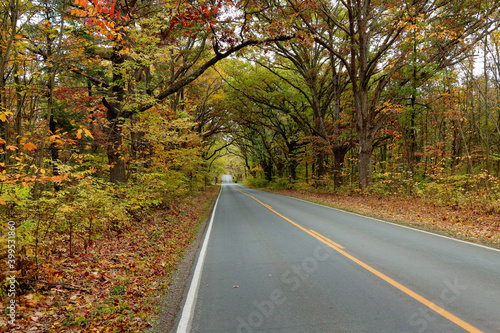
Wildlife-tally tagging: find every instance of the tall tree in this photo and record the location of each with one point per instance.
(378, 44)
(185, 38)
(260, 98)
(325, 81)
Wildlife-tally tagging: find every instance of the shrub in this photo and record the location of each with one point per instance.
(255, 182)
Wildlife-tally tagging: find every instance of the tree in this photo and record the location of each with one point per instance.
(377, 42)
(10, 72)
(185, 38)
(258, 99)
(324, 81)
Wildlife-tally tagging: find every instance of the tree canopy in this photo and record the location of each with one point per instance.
(113, 109)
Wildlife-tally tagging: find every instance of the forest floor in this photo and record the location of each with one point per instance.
(469, 224)
(118, 284)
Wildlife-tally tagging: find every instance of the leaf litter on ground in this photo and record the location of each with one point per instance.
(116, 285)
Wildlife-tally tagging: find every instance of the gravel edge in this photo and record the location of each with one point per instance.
(172, 301)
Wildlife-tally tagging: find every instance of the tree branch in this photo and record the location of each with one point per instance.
(176, 86)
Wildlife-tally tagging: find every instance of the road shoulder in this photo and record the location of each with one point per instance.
(171, 302)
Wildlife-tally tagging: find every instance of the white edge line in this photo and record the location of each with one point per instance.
(392, 223)
(188, 308)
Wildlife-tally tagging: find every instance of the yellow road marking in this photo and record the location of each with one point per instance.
(451, 317)
(326, 240)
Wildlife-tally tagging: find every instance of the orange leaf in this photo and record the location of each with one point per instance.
(57, 179)
(29, 146)
(13, 148)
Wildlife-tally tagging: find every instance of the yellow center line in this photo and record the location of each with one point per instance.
(275, 212)
(451, 317)
(327, 240)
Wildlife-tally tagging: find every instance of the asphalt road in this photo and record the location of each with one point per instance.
(271, 263)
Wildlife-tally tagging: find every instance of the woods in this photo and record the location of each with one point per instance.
(372, 86)
(116, 112)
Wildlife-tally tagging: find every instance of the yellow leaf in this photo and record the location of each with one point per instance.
(3, 115)
(87, 133)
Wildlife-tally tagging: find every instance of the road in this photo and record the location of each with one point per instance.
(271, 263)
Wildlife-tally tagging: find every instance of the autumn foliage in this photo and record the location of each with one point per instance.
(114, 273)
(95, 248)
(115, 114)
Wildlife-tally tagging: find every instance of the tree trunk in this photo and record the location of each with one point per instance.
(339, 153)
(13, 12)
(116, 159)
(268, 169)
(411, 135)
(292, 169)
(365, 165)
(366, 138)
(319, 169)
(54, 152)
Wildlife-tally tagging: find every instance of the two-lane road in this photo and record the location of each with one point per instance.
(271, 263)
